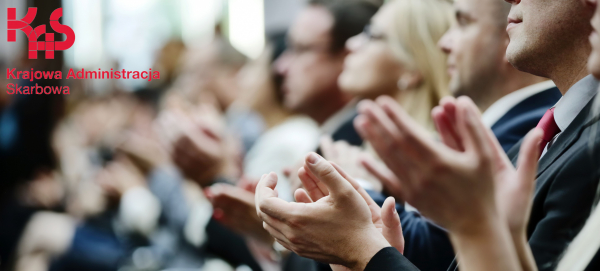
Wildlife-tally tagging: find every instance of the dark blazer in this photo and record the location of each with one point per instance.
(348, 133)
(520, 119)
(427, 245)
(566, 184)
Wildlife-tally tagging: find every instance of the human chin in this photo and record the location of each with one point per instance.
(346, 79)
(350, 83)
(454, 85)
(513, 51)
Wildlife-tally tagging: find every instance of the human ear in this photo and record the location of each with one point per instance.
(409, 80)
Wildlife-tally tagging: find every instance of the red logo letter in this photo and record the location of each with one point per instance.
(33, 34)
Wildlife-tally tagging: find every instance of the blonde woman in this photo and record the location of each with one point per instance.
(397, 55)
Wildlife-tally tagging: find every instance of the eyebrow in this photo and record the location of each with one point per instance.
(463, 14)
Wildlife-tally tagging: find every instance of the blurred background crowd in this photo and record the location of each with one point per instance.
(124, 174)
(139, 175)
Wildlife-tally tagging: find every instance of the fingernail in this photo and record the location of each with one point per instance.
(313, 158)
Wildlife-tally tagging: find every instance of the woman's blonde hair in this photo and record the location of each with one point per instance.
(417, 27)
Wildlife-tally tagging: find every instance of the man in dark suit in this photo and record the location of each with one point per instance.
(567, 175)
(512, 101)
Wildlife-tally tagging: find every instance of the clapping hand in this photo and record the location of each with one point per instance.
(467, 184)
(331, 221)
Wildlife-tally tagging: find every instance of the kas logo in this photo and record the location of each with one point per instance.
(34, 34)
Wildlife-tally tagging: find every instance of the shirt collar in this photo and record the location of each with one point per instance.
(339, 118)
(569, 106)
(498, 109)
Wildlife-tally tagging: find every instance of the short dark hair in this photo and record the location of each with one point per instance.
(350, 18)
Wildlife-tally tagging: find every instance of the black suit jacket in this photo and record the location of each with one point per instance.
(566, 184)
(346, 132)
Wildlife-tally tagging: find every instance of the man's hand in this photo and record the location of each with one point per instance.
(337, 228)
(385, 218)
(467, 184)
(514, 188)
(435, 178)
(234, 208)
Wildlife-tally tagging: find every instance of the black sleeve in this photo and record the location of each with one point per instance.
(427, 245)
(389, 259)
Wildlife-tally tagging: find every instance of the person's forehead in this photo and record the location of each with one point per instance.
(313, 24)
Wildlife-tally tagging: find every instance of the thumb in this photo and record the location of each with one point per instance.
(265, 189)
(528, 159)
(392, 229)
(328, 175)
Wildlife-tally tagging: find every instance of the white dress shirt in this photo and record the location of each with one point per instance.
(281, 147)
(569, 106)
(498, 109)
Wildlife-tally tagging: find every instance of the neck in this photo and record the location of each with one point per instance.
(571, 66)
(566, 78)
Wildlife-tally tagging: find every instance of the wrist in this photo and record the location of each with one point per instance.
(366, 248)
(518, 235)
(479, 224)
(488, 244)
(476, 233)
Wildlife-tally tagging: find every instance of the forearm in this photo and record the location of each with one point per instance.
(487, 246)
(524, 252)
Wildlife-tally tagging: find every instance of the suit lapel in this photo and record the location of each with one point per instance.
(566, 139)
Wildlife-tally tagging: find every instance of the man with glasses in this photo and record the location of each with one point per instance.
(314, 60)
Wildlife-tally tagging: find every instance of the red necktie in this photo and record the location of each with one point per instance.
(548, 125)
